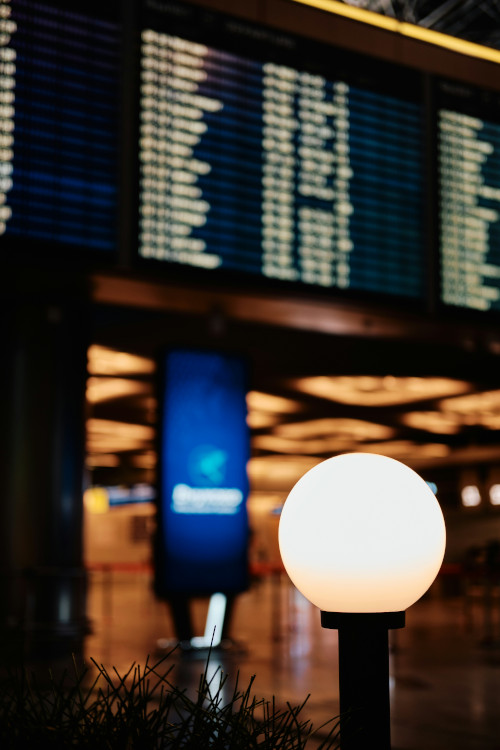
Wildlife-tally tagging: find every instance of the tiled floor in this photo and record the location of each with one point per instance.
(445, 681)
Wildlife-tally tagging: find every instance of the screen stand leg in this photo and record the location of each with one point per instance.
(214, 624)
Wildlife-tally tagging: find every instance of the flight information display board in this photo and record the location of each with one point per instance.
(468, 133)
(249, 156)
(308, 172)
(60, 72)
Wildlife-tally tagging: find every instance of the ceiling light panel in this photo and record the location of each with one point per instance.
(269, 403)
(93, 461)
(474, 404)
(372, 390)
(355, 429)
(278, 472)
(433, 421)
(108, 436)
(408, 450)
(317, 447)
(258, 420)
(108, 388)
(104, 361)
(147, 460)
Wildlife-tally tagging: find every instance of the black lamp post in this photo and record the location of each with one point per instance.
(362, 536)
(365, 716)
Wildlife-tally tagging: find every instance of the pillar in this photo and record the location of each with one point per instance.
(42, 578)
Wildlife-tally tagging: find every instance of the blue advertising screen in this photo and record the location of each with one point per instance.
(202, 515)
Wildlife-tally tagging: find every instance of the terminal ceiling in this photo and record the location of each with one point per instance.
(311, 396)
(474, 20)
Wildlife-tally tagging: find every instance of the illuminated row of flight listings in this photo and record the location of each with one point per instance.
(469, 156)
(7, 85)
(259, 167)
(59, 74)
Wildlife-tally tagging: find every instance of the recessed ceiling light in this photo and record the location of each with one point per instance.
(104, 361)
(109, 436)
(473, 404)
(102, 460)
(268, 402)
(311, 447)
(374, 390)
(408, 449)
(101, 389)
(257, 420)
(339, 427)
(433, 421)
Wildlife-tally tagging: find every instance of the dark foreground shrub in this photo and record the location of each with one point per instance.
(142, 709)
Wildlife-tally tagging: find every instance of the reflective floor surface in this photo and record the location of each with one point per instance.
(444, 665)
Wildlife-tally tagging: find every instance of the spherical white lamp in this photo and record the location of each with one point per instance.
(362, 532)
(362, 536)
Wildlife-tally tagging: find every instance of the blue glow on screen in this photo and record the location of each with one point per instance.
(305, 178)
(62, 125)
(203, 522)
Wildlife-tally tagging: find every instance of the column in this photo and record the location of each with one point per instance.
(42, 582)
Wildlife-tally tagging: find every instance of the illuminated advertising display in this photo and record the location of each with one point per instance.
(202, 516)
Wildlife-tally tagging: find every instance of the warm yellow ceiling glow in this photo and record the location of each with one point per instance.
(104, 361)
(257, 420)
(489, 421)
(278, 472)
(405, 29)
(110, 426)
(407, 449)
(309, 446)
(102, 459)
(357, 429)
(267, 402)
(356, 14)
(375, 390)
(473, 405)
(105, 388)
(433, 421)
(117, 443)
(108, 436)
(263, 503)
(147, 460)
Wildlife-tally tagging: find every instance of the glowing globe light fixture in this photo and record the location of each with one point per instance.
(362, 533)
(362, 536)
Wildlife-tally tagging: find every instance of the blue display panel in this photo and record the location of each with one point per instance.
(468, 131)
(203, 524)
(266, 154)
(59, 88)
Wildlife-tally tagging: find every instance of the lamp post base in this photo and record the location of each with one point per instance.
(364, 676)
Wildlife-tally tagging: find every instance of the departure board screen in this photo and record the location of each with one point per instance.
(468, 132)
(278, 157)
(59, 89)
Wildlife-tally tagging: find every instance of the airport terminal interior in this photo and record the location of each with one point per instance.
(355, 283)
(402, 399)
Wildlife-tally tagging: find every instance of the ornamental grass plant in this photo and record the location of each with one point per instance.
(142, 709)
